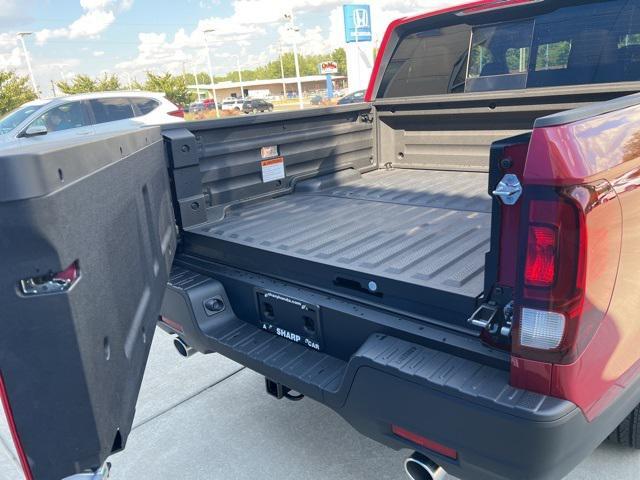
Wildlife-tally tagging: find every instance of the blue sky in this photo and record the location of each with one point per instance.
(129, 37)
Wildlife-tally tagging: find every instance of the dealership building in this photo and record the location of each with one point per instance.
(281, 88)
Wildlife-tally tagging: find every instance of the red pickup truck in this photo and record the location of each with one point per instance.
(452, 266)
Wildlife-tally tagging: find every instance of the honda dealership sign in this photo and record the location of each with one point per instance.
(357, 23)
(358, 36)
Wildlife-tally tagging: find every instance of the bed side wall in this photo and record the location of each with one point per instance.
(219, 163)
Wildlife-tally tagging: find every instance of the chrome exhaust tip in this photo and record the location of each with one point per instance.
(420, 467)
(183, 349)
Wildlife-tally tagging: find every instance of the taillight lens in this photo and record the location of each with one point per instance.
(550, 297)
(542, 251)
(177, 113)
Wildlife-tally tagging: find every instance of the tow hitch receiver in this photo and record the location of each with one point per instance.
(279, 391)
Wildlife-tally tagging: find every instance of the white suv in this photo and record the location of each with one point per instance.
(232, 104)
(62, 118)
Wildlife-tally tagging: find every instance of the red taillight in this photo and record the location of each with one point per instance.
(542, 251)
(550, 297)
(425, 442)
(176, 113)
(562, 295)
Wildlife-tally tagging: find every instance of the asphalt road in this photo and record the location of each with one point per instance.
(208, 418)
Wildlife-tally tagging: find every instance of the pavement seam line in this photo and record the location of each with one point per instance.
(190, 397)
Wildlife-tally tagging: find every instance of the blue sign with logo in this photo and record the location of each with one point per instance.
(357, 23)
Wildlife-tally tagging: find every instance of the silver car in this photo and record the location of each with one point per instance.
(64, 118)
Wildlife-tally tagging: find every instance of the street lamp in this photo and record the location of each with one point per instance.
(284, 85)
(129, 80)
(195, 76)
(21, 36)
(239, 75)
(213, 83)
(291, 27)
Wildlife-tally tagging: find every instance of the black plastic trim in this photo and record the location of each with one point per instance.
(243, 121)
(588, 111)
(498, 432)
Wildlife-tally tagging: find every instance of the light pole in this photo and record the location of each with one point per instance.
(195, 76)
(239, 75)
(357, 35)
(213, 83)
(184, 73)
(284, 85)
(129, 80)
(293, 29)
(21, 36)
(62, 76)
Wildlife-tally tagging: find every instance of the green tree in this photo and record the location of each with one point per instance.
(86, 84)
(308, 66)
(108, 83)
(14, 91)
(339, 55)
(173, 86)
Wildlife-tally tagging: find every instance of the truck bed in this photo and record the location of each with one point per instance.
(423, 227)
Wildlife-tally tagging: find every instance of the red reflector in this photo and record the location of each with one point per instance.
(71, 274)
(425, 442)
(540, 269)
(14, 431)
(177, 113)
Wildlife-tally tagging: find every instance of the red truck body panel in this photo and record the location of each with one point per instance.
(604, 148)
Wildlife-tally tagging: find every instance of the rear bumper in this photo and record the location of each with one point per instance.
(498, 431)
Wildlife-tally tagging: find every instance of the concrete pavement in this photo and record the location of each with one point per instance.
(208, 418)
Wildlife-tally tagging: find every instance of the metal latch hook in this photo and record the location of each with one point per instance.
(509, 189)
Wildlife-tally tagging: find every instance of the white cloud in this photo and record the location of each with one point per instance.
(98, 53)
(12, 59)
(97, 17)
(250, 31)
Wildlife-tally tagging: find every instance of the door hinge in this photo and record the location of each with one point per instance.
(509, 189)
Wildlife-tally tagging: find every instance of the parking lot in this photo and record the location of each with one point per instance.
(209, 418)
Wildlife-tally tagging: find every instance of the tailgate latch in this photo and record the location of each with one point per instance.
(509, 189)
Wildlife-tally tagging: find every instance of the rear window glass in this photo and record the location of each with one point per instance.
(145, 105)
(579, 44)
(111, 109)
(553, 56)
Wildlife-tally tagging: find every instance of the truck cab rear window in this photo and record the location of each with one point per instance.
(575, 45)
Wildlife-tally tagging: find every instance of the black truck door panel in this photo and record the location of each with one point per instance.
(87, 238)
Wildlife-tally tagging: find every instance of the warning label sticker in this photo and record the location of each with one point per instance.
(273, 169)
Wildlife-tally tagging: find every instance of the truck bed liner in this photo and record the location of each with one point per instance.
(428, 228)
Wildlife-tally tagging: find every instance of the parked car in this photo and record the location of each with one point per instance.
(355, 97)
(197, 107)
(452, 266)
(257, 105)
(210, 104)
(63, 118)
(233, 104)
